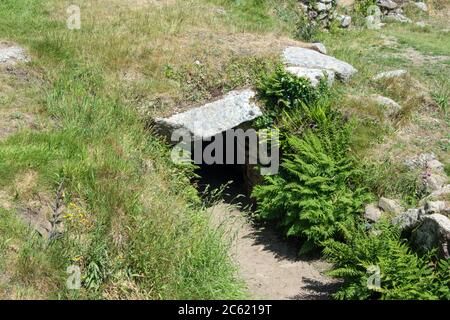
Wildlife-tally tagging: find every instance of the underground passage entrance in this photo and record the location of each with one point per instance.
(225, 180)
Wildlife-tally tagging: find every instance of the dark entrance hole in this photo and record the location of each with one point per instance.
(228, 178)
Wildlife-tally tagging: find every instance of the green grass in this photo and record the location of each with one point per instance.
(133, 243)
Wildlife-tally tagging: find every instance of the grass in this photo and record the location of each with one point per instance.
(133, 223)
(130, 242)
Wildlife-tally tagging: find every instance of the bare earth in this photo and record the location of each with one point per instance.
(270, 266)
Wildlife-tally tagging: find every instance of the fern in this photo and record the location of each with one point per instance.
(312, 197)
(281, 92)
(403, 274)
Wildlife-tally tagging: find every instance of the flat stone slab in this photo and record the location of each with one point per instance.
(232, 110)
(311, 59)
(314, 75)
(10, 52)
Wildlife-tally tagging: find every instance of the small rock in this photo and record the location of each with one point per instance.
(372, 212)
(397, 17)
(435, 165)
(319, 47)
(434, 232)
(12, 53)
(435, 207)
(438, 194)
(389, 4)
(373, 22)
(319, 6)
(304, 7)
(390, 205)
(408, 220)
(421, 5)
(391, 106)
(421, 161)
(443, 191)
(435, 181)
(344, 21)
(311, 59)
(421, 24)
(390, 74)
(322, 16)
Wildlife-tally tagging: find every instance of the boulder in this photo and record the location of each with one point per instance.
(314, 75)
(408, 220)
(433, 232)
(306, 58)
(390, 74)
(232, 110)
(421, 5)
(372, 212)
(390, 205)
(388, 4)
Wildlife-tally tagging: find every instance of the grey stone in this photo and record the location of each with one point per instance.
(390, 74)
(388, 4)
(435, 165)
(319, 47)
(433, 232)
(435, 207)
(443, 191)
(319, 6)
(301, 57)
(408, 220)
(421, 24)
(421, 5)
(345, 21)
(390, 205)
(422, 161)
(397, 17)
(304, 7)
(314, 75)
(391, 107)
(439, 194)
(232, 110)
(435, 181)
(322, 16)
(372, 212)
(373, 22)
(11, 53)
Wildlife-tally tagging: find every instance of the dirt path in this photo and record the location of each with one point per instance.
(269, 266)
